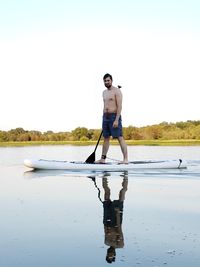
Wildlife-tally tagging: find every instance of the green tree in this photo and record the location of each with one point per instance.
(79, 132)
(3, 136)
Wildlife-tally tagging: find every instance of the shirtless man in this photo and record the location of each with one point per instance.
(112, 125)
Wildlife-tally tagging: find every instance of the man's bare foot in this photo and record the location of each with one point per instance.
(100, 161)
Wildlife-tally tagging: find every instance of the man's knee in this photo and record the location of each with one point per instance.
(107, 139)
(120, 138)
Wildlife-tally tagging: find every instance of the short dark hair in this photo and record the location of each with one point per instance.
(107, 75)
(112, 257)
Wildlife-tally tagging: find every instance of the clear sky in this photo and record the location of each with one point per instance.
(53, 55)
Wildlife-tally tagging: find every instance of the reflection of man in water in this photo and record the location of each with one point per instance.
(112, 219)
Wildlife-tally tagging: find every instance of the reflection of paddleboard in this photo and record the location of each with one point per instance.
(43, 164)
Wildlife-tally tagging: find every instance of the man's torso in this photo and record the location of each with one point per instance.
(110, 102)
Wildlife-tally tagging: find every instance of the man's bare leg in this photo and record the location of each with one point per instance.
(105, 148)
(123, 149)
(124, 189)
(106, 188)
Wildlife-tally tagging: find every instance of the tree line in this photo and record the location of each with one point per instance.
(163, 131)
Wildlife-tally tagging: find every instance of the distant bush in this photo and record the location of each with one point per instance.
(163, 131)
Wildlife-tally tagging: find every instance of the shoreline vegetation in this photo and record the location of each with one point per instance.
(113, 142)
(163, 134)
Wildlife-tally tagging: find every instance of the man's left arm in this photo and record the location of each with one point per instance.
(118, 98)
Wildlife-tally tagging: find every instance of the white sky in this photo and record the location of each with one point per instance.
(53, 55)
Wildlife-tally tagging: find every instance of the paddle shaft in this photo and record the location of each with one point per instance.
(98, 141)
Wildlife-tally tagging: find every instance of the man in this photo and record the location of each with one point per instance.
(112, 218)
(112, 125)
(112, 215)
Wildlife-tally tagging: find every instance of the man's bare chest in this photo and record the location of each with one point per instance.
(109, 96)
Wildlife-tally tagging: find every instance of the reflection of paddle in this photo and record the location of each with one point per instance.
(91, 158)
(95, 184)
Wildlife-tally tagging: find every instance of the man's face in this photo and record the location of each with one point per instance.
(108, 82)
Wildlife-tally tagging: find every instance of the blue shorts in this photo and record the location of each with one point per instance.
(107, 126)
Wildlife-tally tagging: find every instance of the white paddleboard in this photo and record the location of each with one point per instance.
(43, 164)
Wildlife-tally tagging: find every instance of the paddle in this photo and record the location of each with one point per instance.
(91, 158)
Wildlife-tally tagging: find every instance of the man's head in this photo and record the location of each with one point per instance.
(111, 254)
(107, 78)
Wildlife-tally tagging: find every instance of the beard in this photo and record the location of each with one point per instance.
(108, 85)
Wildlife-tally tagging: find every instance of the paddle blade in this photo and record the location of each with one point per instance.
(91, 158)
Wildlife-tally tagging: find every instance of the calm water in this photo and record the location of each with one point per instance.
(62, 219)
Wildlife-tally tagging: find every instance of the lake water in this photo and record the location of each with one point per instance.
(62, 219)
